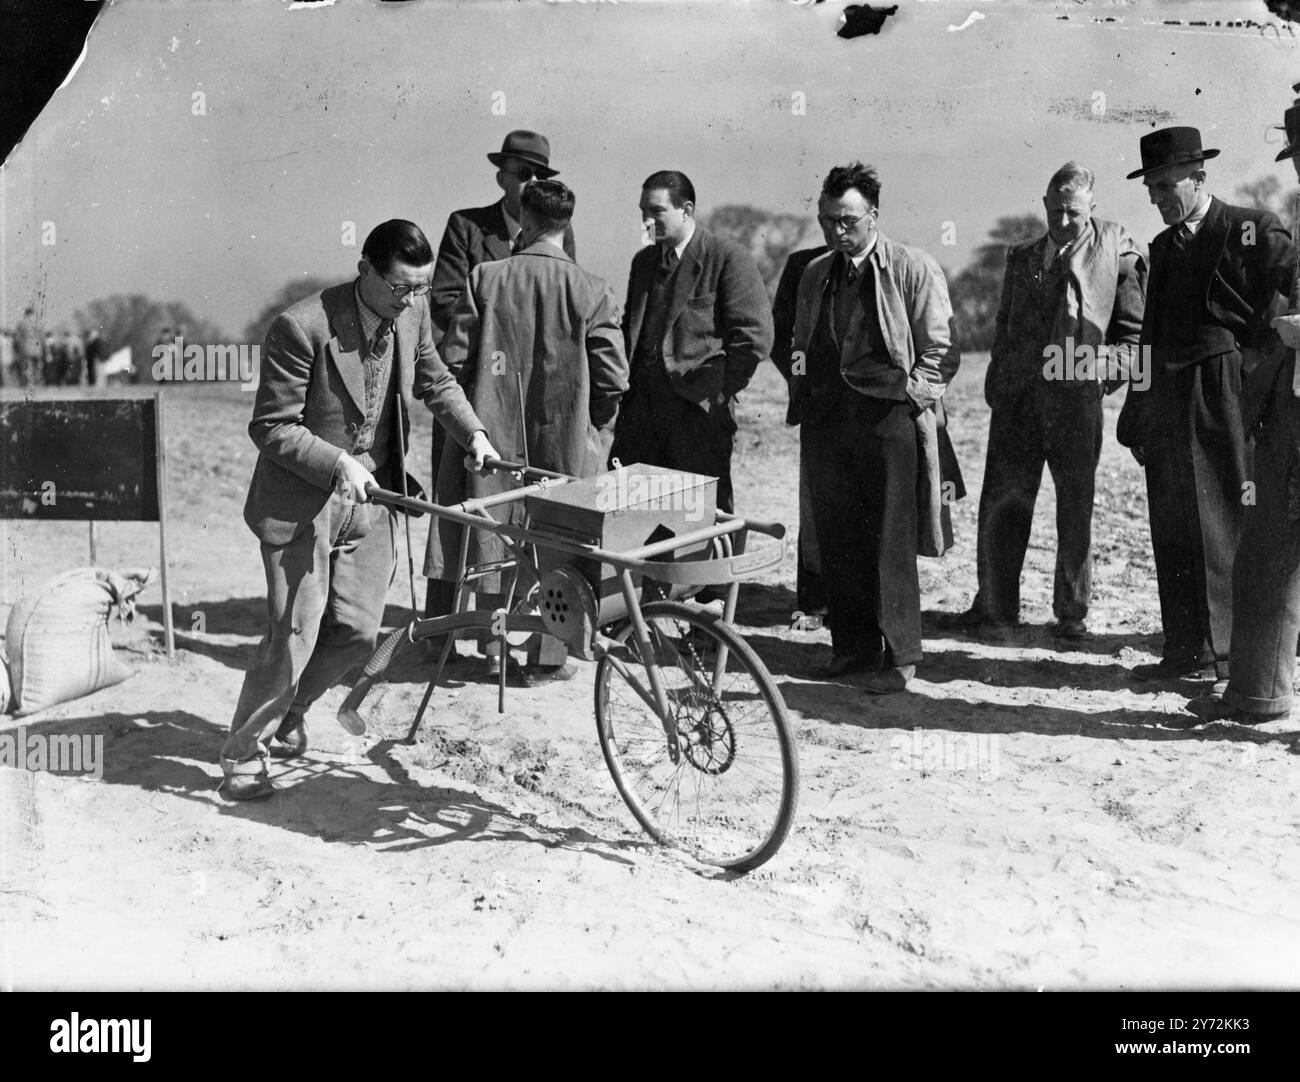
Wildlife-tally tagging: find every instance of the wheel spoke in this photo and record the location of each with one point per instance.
(729, 797)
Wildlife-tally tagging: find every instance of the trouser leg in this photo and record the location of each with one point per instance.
(297, 585)
(1013, 472)
(363, 570)
(1266, 581)
(810, 592)
(325, 603)
(888, 465)
(840, 519)
(1073, 451)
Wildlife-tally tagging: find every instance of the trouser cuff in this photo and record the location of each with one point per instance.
(1254, 704)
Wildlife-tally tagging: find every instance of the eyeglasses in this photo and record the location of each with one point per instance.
(406, 291)
(842, 223)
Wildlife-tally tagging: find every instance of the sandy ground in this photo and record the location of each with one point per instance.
(1021, 818)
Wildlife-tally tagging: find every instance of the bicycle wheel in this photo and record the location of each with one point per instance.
(729, 796)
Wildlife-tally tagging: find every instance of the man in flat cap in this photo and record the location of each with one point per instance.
(1071, 305)
(1215, 275)
(1266, 576)
(476, 236)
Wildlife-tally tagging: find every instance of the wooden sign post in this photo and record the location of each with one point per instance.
(87, 458)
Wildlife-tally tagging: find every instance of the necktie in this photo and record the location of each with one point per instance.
(668, 261)
(1182, 237)
(518, 244)
(383, 338)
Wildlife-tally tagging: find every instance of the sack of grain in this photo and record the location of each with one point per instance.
(57, 640)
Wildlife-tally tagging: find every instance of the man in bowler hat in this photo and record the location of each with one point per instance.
(1266, 576)
(1216, 271)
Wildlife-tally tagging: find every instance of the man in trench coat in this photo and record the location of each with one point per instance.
(537, 321)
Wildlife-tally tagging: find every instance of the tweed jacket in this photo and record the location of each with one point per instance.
(1105, 295)
(311, 404)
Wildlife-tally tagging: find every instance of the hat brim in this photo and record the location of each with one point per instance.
(544, 172)
(1204, 156)
(1288, 152)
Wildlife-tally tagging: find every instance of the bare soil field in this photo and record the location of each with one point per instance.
(1022, 817)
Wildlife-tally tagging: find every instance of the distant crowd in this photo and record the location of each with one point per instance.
(36, 357)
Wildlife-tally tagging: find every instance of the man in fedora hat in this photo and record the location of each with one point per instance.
(476, 236)
(1215, 274)
(1266, 576)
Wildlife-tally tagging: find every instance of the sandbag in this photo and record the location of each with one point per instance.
(57, 639)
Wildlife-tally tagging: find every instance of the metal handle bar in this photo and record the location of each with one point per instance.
(638, 559)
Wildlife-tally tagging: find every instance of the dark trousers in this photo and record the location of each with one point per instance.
(862, 472)
(1266, 575)
(1062, 427)
(1197, 467)
(659, 427)
(325, 603)
(810, 591)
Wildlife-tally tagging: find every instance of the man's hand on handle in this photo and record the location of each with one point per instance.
(351, 479)
(479, 451)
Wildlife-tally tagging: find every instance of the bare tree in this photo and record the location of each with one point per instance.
(290, 293)
(136, 320)
(1268, 193)
(768, 237)
(976, 289)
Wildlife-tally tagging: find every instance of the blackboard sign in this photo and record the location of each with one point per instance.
(82, 458)
(95, 457)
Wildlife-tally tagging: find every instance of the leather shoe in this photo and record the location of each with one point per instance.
(888, 681)
(1166, 669)
(290, 738)
(1070, 629)
(840, 664)
(960, 621)
(1215, 708)
(245, 780)
(533, 675)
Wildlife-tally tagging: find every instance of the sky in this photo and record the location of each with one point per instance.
(210, 152)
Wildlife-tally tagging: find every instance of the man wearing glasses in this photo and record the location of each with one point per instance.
(873, 353)
(476, 236)
(326, 421)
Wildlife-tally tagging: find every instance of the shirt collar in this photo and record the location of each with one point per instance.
(1051, 250)
(513, 227)
(370, 319)
(1193, 221)
(861, 257)
(690, 232)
